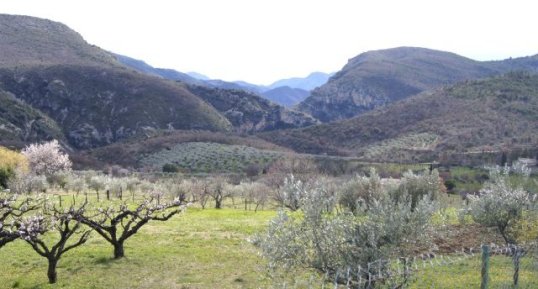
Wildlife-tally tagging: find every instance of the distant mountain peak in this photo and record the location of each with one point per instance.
(198, 75)
(308, 83)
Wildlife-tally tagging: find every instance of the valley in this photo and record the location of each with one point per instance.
(407, 168)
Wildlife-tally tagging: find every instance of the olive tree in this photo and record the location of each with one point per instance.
(418, 186)
(28, 183)
(360, 189)
(331, 241)
(97, 183)
(76, 184)
(290, 194)
(196, 190)
(501, 203)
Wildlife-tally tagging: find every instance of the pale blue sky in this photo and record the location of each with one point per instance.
(260, 41)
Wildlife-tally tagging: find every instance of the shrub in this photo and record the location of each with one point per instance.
(10, 163)
(170, 168)
(501, 204)
(418, 186)
(450, 185)
(359, 190)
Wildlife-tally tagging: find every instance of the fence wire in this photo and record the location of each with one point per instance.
(505, 266)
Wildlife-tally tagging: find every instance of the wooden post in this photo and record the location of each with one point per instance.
(60, 198)
(485, 267)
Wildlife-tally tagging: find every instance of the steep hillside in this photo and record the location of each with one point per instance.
(20, 123)
(28, 41)
(97, 106)
(248, 112)
(286, 96)
(91, 96)
(484, 115)
(376, 78)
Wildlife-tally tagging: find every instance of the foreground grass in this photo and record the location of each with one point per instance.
(199, 249)
(466, 274)
(209, 249)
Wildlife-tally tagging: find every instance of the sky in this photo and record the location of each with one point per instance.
(261, 41)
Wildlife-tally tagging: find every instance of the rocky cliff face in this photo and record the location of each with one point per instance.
(248, 112)
(20, 123)
(96, 106)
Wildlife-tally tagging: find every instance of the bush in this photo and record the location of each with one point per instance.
(450, 185)
(501, 204)
(418, 186)
(10, 163)
(170, 168)
(360, 190)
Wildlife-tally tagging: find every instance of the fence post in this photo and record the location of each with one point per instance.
(485, 267)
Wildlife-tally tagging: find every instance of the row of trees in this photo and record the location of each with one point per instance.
(53, 227)
(53, 230)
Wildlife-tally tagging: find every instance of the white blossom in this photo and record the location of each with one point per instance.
(46, 158)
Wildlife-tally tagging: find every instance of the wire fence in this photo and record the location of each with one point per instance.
(485, 267)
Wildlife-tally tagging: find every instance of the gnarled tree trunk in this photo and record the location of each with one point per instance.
(51, 272)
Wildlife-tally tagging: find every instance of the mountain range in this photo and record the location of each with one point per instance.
(97, 100)
(487, 115)
(377, 78)
(285, 92)
(405, 103)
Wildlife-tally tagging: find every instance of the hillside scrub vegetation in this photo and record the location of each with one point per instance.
(488, 116)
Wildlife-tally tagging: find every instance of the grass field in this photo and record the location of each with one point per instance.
(199, 249)
(209, 249)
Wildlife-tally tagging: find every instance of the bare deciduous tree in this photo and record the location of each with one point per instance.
(33, 230)
(217, 190)
(11, 208)
(116, 225)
